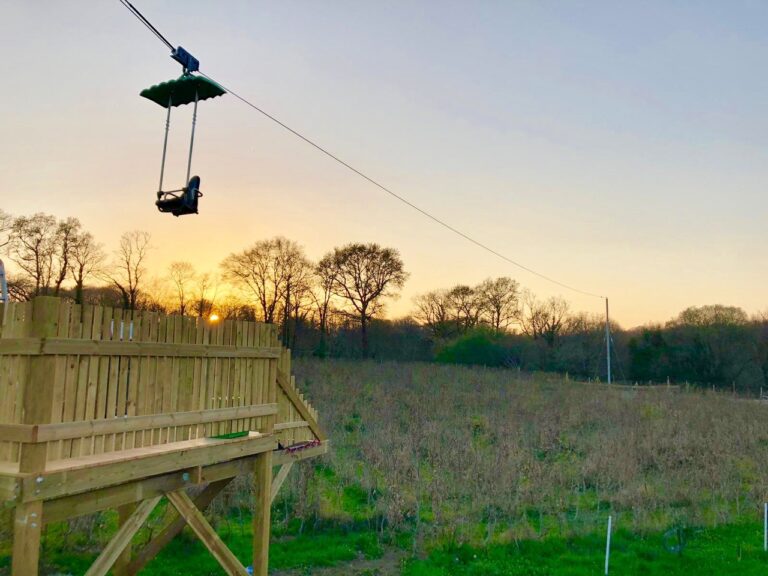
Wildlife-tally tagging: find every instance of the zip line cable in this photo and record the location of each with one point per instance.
(147, 23)
(318, 147)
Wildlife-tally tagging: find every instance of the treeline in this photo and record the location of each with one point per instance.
(336, 307)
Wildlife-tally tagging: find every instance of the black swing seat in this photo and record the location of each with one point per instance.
(180, 202)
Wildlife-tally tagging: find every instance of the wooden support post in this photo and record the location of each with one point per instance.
(206, 534)
(277, 483)
(27, 524)
(262, 493)
(124, 513)
(122, 538)
(37, 408)
(160, 541)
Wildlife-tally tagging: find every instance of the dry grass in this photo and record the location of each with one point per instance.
(472, 454)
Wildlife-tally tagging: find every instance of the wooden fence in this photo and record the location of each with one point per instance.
(94, 398)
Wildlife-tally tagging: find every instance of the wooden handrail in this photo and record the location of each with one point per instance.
(77, 347)
(33, 434)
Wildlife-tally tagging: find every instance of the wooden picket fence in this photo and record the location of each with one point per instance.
(93, 398)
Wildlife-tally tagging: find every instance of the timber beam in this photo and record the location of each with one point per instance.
(72, 506)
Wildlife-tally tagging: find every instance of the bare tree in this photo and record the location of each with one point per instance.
(129, 266)
(182, 276)
(204, 295)
(363, 275)
(21, 288)
(33, 247)
(6, 224)
(87, 259)
(434, 310)
(324, 275)
(466, 306)
(269, 271)
(67, 232)
(499, 299)
(543, 319)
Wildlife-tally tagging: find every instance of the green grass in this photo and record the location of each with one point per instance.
(730, 549)
(734, 549)
(187, 556)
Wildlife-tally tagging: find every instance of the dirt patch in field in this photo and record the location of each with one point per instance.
(388, 565)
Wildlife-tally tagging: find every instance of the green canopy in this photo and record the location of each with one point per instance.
(182, 90)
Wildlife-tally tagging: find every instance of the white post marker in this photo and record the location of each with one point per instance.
(765, 527)
(608, 545)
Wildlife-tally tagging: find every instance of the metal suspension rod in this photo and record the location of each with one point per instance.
(165, 143)
(192, 139)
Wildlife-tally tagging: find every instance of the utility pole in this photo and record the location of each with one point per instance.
(608, 340)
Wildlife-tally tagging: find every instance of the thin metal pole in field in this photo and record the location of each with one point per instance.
(608, 342)
(608, 545)
(765, 527)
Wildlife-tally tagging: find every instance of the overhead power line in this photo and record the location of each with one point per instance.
(360, 173)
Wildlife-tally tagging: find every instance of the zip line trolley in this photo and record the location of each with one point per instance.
(186, 89)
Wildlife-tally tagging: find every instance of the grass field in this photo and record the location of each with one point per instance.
(442, 470)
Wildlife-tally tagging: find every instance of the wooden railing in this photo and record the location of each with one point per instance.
(101, 407)
(88, 380)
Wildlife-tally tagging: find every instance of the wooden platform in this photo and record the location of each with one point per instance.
(104, 408)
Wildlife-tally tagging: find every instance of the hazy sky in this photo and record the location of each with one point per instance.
(620, 147)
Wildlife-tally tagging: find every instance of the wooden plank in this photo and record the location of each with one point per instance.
(134, 373)
(262, 492)
(65, 430)
(59, 384)
(102, 378)
(153, 548)
(54, 346)
(278, 481)
(163, 375)
(20, 326)
(290, 425)
(99, 499)
(28, 346)
(41, 381)
(121, 539)
(206, 534)
(123, 373)
(293, 396)
(112, 383)
(197, 377)
(18, 433)
(74, 476)
(146, 373)
(72, 378)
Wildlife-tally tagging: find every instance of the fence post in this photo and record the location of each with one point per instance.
(37, 402)
(765, 527)
(608, 545)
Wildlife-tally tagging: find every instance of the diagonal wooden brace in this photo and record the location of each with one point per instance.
(157, 544)
(206, 533)
(121, 539)
(277, 483)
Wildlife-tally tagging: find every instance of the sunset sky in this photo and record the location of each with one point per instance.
(618, 147)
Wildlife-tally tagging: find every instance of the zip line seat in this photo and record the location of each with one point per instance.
(186, 89)
(180, 202)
